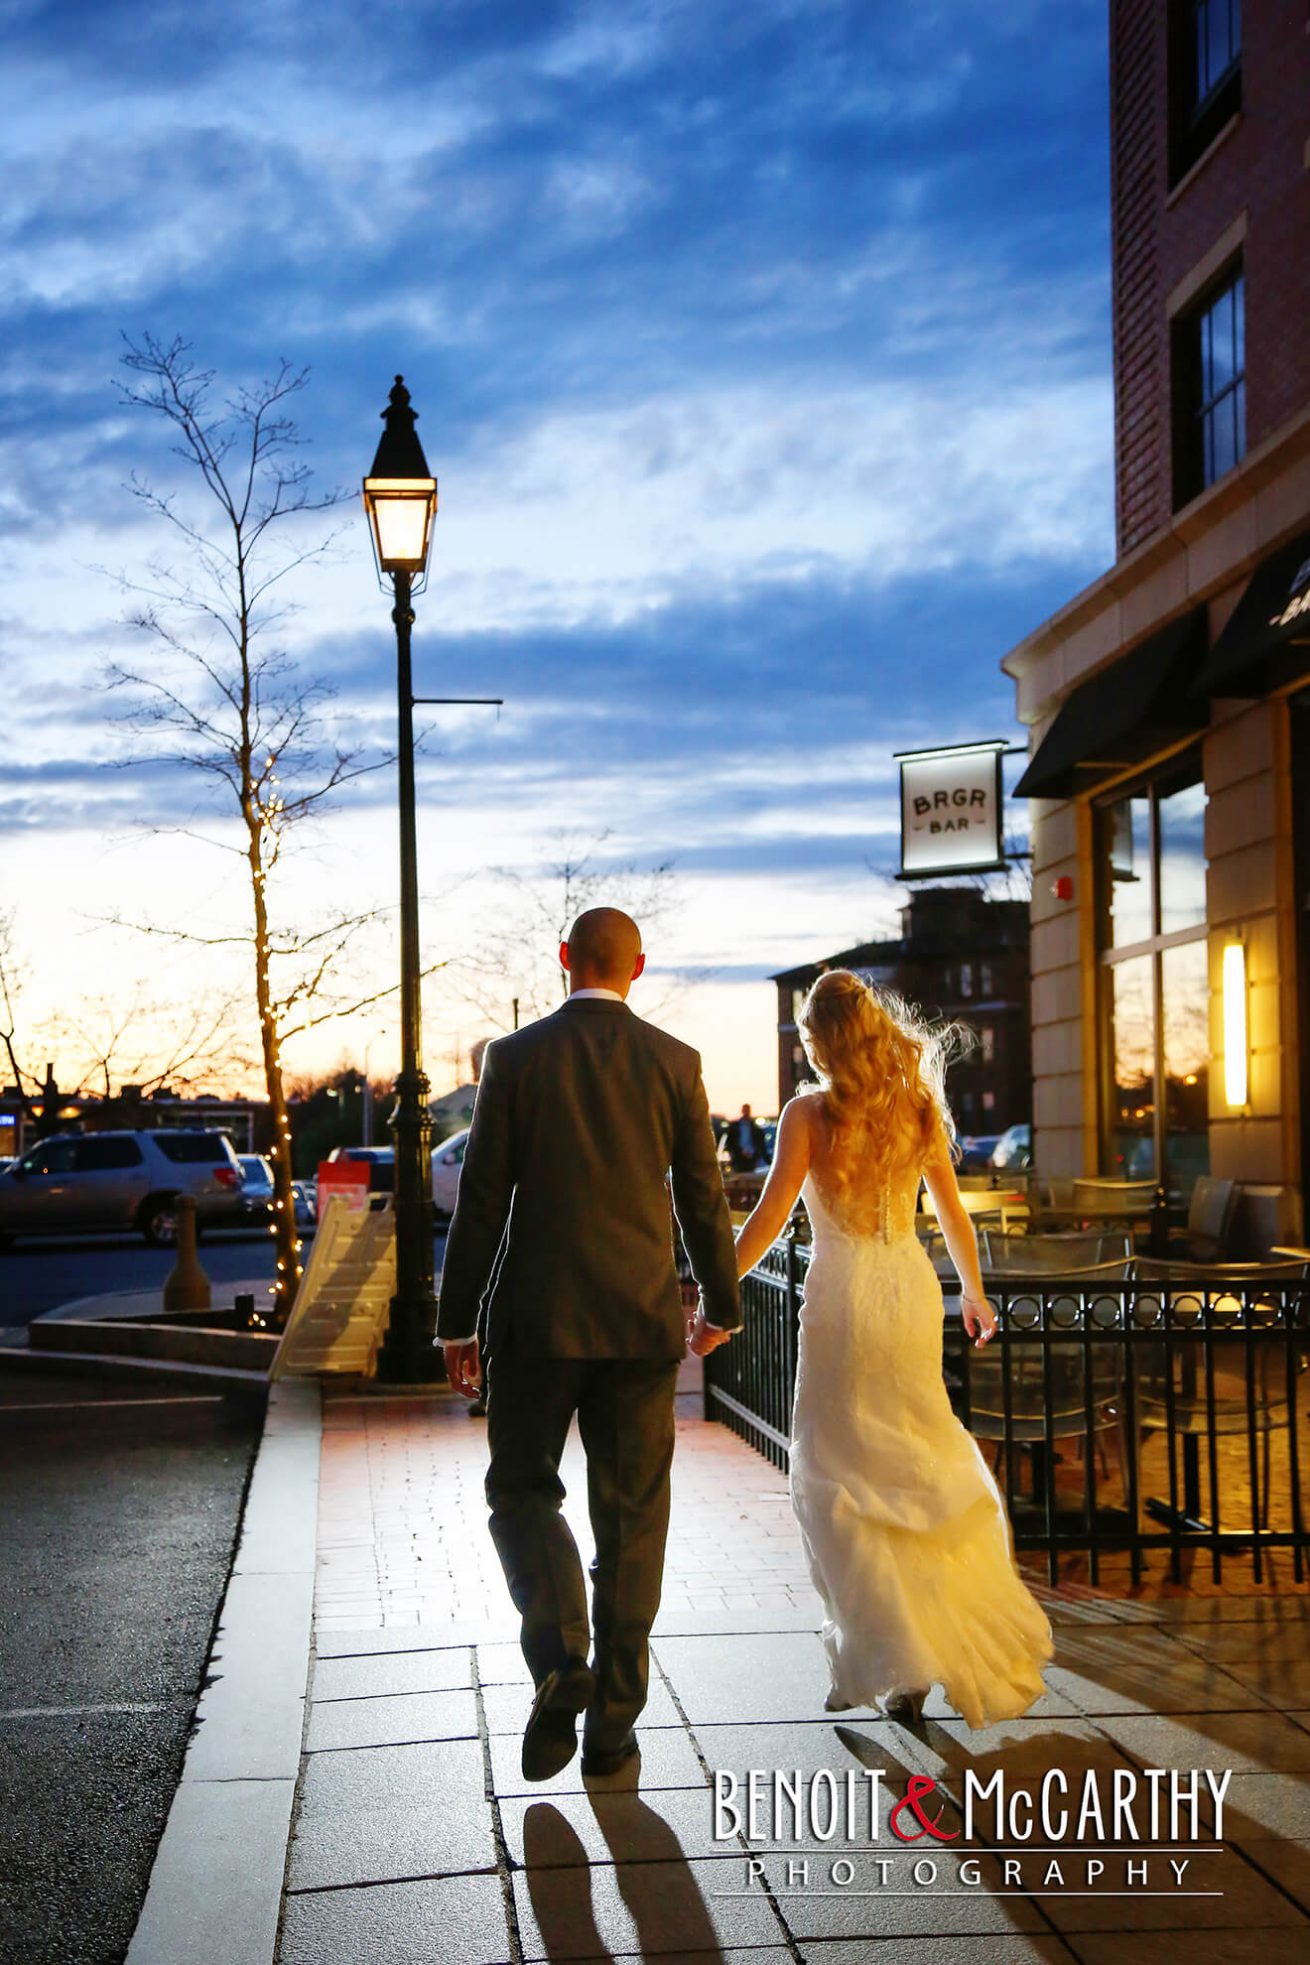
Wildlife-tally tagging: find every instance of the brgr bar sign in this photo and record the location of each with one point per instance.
(951, 810)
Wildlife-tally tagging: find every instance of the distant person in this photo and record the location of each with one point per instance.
(580, 1119)
(903, 1526)
(745, 1142)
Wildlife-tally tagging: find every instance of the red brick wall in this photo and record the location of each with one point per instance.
(1260, 168)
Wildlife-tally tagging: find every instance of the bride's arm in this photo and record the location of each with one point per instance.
(961, 1240)
(771, 1213)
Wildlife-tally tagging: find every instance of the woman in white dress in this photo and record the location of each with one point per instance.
(903, 1526)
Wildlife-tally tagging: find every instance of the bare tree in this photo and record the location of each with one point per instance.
(516, 960)
(11, 981)
(226, 700)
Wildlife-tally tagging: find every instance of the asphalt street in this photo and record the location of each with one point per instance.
(120, 1505)
(37, 1276)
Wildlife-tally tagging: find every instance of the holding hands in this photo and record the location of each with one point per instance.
(978, 1316)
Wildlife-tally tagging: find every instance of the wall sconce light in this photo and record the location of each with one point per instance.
(1235, 1031)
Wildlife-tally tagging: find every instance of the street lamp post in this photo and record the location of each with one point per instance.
(400, 497)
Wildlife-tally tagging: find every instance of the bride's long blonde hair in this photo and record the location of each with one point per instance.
(882, 1072)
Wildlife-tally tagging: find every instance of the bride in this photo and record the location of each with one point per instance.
(903, 1526)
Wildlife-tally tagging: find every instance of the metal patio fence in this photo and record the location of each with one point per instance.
(1139, 1414)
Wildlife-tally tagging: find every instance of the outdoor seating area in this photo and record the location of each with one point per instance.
(1135, 1408)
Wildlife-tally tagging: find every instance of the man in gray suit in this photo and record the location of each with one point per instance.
(580, 1119)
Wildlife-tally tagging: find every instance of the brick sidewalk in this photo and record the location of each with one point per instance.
(415, 1837)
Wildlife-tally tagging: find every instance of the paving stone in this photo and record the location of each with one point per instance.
(1014, 1949)
(667, 1760)
(374, 1813)
(392, 1672)
(460, 1919)
(388, 1721)
(1263, 1643)
(1136, 1671)
(507, 1707)
(1282, 1681)
(502, 1664)
(1125, 1947)
(1246, 1743)
(665, 1909)
(1241, 1897)
(668, 1824)
(1284, 1860)
(867, 1908)
(764, 1676)
(1023, 1748)
(373, 1640)
(1267, 1804)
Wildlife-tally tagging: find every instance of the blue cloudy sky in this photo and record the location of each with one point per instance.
(763, 357)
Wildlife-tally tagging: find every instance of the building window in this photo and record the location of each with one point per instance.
(966, 979)
(1205, 76)
(1155, 995)
(1216, 46)
(1210, 387)
(988, 1044)
(985, 979)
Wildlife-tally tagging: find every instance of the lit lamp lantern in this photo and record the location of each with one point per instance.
(400, 493)
(1235, 1031)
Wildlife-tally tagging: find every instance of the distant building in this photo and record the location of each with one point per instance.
(1168, 701)
(245, 1121)
(959, 956)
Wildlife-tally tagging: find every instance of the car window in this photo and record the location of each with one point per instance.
(97, 1156)
(55, 1157)
(191, 1149)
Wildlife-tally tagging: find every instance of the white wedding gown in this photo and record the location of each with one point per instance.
(903, 1526)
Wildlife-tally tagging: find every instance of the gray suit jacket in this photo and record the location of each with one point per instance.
(579, 1119)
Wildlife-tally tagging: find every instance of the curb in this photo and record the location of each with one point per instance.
(215, 1892)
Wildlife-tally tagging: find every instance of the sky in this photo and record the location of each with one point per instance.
(763, 358)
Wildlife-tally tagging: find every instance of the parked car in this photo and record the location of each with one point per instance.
(381, 1165)
(305, 1195)
(447, 1159)
(257, 1190)
(976, 1151)
(74, 1183)
(1014, 1149)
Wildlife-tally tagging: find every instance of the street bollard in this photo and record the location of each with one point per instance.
(187, 1287)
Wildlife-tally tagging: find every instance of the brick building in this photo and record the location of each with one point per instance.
(1170, 718)
(959, 956)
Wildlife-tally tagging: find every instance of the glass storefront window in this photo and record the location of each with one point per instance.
(1128, 864)
(1154, 967)
(1132, 1023)
(1182, 858)
(1186, 1061)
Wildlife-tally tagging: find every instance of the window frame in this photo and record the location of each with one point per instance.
(1160, 780)
(1196, 403)
(1196, 117)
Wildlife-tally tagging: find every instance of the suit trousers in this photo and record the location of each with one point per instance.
(625, 1417)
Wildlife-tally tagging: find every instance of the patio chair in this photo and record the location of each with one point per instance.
(1105, 1199)
(1154, 1364)
(1210, 1216)
(1032, 1425)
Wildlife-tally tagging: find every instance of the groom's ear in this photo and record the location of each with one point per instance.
(563, 955)
(639, 966)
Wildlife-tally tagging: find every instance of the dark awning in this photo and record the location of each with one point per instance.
(1123, 713)
(1267, 640)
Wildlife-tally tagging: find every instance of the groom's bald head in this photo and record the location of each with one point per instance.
(603, 950)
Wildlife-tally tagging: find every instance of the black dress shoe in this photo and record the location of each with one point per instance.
(598, 1761)
(550, 1738)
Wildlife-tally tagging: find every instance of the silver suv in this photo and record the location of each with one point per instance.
(80, 1182)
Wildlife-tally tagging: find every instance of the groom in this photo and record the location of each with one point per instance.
(580, 1118)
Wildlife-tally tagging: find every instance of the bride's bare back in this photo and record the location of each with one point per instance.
(865, 1191)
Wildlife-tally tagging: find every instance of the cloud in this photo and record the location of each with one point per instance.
(762, 354)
